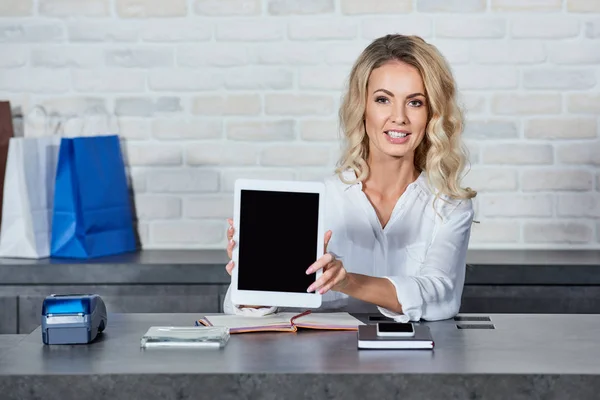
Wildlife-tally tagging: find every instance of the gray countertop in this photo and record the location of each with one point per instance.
(525, 356)
(522, 267)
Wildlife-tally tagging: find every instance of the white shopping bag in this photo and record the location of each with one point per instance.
(28, 197)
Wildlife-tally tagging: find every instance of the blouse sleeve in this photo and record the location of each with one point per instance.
(230, 308)
(434, 292)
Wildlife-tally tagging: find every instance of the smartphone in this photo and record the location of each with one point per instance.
(395, 329)
(379, 318)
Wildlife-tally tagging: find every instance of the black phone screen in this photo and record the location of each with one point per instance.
(395, 327)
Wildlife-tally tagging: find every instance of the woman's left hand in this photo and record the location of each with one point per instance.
(334, 275)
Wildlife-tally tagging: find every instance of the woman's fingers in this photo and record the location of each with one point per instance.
(327, 275)
(229, 267)
(230, 229)
(230, 246)
(327, 239)
(320, 263)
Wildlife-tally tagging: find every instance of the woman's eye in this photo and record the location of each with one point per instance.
(415, 103)
(381, 99)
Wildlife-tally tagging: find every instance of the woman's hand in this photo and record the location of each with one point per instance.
(334, 275)
(230, 244)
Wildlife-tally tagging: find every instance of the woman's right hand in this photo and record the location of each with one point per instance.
(230, 265)
(231, 243)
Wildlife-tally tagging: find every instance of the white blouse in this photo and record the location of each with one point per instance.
(423, 253)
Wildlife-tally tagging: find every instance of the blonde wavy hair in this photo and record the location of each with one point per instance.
(441, 154)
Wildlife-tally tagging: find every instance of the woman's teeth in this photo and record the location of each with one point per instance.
(395, 134)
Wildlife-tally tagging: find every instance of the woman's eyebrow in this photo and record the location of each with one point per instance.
(410, 96)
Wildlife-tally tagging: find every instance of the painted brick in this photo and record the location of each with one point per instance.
(256, 78)
(583, 103)
(455, 51)
(451, 6)
(16, 8)
(149, 207)
(192, 233)
(563, 128)
(281, 130)
(208, 206)
(516, 205)
(472, 103)
(511, 52)
(13, 56)
(214, 55)
(146, 107)
(36, 80)
(526, 6)
(251, 31)
(213, 105)
(108, 80)
(151, 8)
(471, 27)
(490, 129)
(184, 80)
(168, 31)
(72, 105)
(323, 78)
(134, 128)
(486, 77)
(518, 154)
(408, 25)
(491, 179)
(319, 130)
(298, 104)
(42, 32)
(152, 154)
(323, 29)
(140, 58)
(290, 7)
(579, 153)
(74, 8)
(190, 180)
(557, 232)
(227, 7)
(579, 205)
(583, 6)
(94, 31)
(295, 155)
(526, 27)
(201, 154)
(526, 104)
(592, 29)
(556, 179)
(356, 7)
(292, 53)
(178, 129)
(559, 79)
(585, 52)
(231, 175)
(59, 56)
(495, 232)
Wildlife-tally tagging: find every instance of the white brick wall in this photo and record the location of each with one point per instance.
(207, 91)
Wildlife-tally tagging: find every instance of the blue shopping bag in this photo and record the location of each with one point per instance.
(92, 214)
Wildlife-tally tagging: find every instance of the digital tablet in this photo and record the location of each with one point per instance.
(278, 233)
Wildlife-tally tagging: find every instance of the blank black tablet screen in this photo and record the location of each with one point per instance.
(277, 240)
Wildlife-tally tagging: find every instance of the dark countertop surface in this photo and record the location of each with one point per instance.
(525, 356)
(495, 267)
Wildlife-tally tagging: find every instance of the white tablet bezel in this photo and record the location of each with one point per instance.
(279, 299)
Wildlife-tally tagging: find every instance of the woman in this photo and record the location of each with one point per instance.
(399, 222)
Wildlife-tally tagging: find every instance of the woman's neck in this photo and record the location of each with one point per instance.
(390, 177)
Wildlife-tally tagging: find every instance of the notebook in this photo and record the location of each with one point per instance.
(283, 322)
(368, 339)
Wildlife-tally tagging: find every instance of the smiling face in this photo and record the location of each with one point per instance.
(396, 112)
